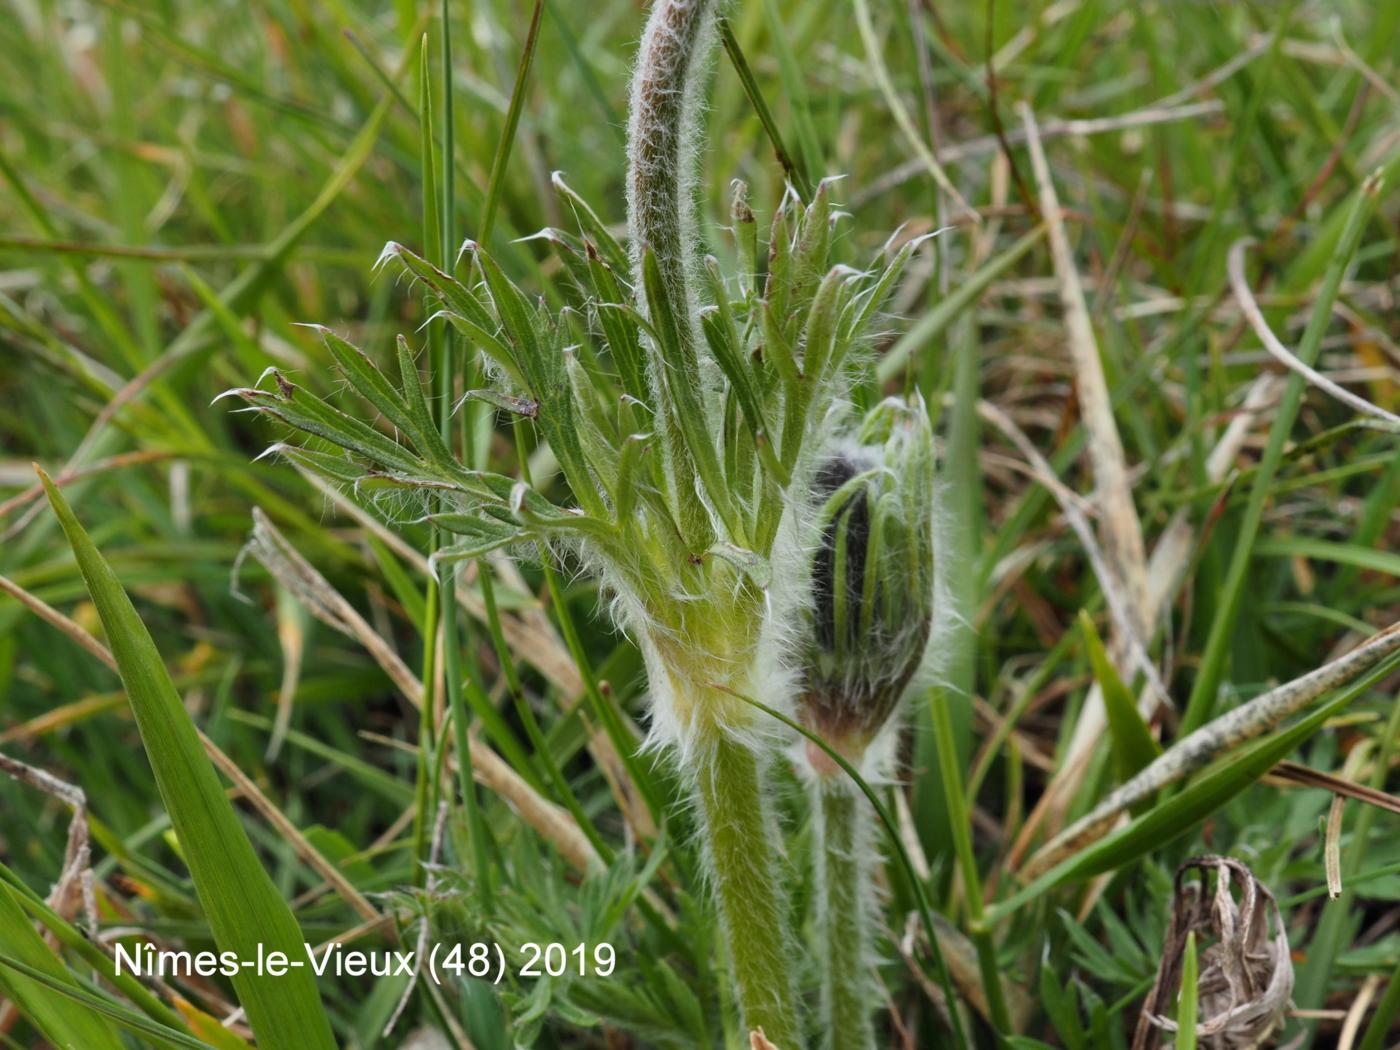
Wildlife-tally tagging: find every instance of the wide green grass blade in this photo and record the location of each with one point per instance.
(245, 913)
(1381, 561)
(41, 1002)
(74, 940)
(1133, 745)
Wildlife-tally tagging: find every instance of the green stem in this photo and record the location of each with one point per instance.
(960, 827)
(461, 741)
(845, 865)
(423, 793)
(742, 837)
(911, 876)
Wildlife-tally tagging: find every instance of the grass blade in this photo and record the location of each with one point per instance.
(72, 939)
(1179, 814)
(517, 101)
(1222, 629)
(93, 1006)
(1188, 1002)
(245, 913)
(796, 174)
(963, 296)
(1133, 745)
(34, 985)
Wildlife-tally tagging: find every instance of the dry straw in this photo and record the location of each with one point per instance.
(1245, 977)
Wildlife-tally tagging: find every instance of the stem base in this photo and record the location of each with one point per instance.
(742, 838)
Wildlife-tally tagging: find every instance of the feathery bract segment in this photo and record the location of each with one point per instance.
(872, 579)
(705, 615)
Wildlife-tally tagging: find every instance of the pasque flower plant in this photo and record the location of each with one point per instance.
(688, 438)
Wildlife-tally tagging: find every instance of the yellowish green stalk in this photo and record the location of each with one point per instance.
(846, 868)
(743, 844)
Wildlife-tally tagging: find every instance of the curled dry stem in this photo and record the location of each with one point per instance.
(1250, 306)
(77, 854)
(1246, 975)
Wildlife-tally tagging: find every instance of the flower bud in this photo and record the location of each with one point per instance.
(868, 623)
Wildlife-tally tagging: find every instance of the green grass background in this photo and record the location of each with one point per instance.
(180, 183)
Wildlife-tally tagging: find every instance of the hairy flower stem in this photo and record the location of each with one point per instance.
(662, 133)
(742, 840)
(662, 151)
(845, 864)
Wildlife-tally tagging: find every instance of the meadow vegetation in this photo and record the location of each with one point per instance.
(524, 588)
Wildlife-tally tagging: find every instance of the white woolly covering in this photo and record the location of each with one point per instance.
(663, 150)
(848, 910)
(674, 61)
(760, 638)
(877, 763)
